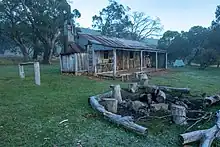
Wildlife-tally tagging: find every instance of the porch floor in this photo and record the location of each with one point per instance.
(126, 75)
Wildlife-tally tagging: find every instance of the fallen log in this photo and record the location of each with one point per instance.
(126, 121)
(206, 137)
(210, 100)
(174, 89)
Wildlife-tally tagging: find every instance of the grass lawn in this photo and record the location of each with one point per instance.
(30, 114)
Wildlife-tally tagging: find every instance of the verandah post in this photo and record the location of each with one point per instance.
(114, 63)
(141, 62)
(166, 61)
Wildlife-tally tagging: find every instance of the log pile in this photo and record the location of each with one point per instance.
(140, 100)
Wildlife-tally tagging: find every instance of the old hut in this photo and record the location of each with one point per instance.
(112, 56)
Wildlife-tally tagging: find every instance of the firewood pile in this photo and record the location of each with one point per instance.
(141, 101)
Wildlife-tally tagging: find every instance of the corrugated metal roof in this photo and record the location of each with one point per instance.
(118, 42)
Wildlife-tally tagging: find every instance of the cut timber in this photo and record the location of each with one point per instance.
(211, 100)
(110, 104)
(126, 121)
(206, 137)
(116, 93)
(174, 89)
(160, 96)
(159, 107)
(136, 105)
(144, 80)
(178, 114)
(133, 87)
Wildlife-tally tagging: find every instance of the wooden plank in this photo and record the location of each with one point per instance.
(27, 63)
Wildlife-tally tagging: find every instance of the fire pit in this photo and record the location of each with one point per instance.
(142, 101)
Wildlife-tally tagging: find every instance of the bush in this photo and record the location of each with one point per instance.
(10, 60)
(207, 57)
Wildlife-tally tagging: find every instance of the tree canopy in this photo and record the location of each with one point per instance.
(34, 23)
(199, 44)
(117, 20)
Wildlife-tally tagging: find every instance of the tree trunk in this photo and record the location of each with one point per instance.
(48, 50)
(24, 52)
(36, 48)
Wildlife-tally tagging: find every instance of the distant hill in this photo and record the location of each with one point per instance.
(151, 41)
(88, 31)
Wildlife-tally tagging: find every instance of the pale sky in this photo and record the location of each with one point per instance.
(174, 14)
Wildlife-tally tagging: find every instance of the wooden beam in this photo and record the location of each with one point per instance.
(21, 71)
(114, 63)
(166, 61)
(141, 62)
(27, 63)
(37, 72)
(156, 61)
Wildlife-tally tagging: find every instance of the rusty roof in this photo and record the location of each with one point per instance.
(118, 43)
(73, 48)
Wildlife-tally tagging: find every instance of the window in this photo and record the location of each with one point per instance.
(105, 54)
(131, 55)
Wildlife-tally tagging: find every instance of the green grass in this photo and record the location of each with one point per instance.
(30, 114)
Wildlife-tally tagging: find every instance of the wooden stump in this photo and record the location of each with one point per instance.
(110, 104)
(125, 121)
(206, 137)
(143, 80)
(178, 114)
(133, 87)
(116, 93)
